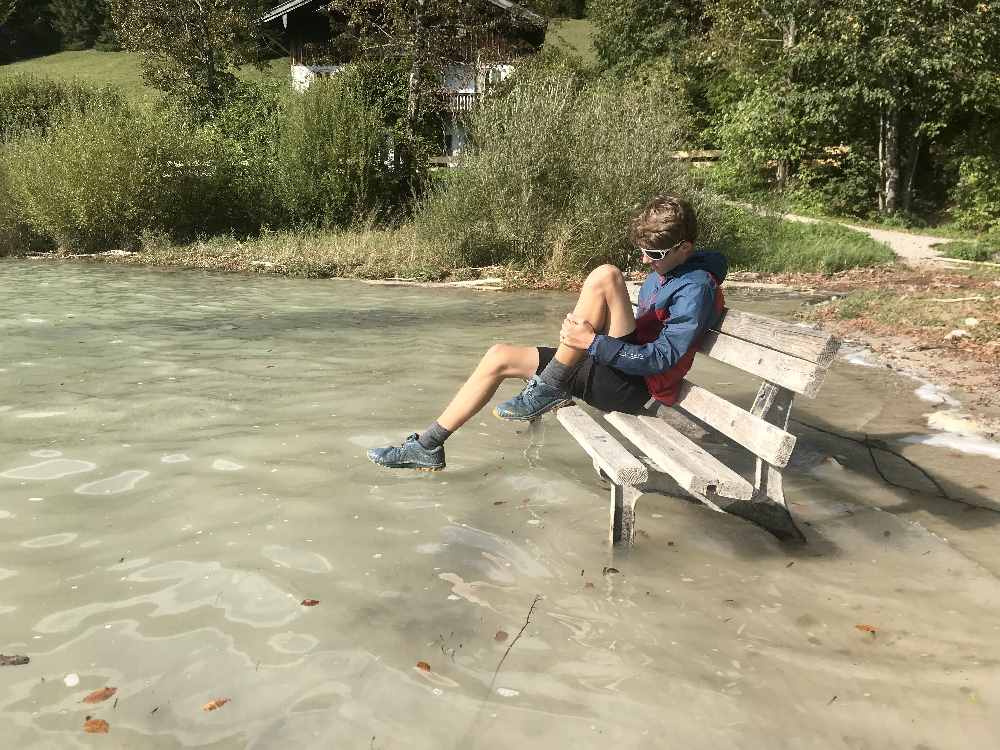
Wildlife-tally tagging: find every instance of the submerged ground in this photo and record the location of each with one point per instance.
(182, 464)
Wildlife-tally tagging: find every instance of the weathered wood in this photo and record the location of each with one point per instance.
(691, 466)
(796, 374)
(606, 452)
(761, 438)
(806, 343)
(772, 404)
(623, 526)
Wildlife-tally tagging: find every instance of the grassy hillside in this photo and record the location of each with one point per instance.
(118, 68)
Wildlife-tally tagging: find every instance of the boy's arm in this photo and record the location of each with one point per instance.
(691, 313)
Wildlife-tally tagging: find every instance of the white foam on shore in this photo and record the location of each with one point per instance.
(860, 357)
(972, 444)
(935, 394)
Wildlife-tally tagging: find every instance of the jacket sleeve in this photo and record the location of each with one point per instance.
(690, 314)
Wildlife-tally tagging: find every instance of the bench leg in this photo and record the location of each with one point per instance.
(623, 526)
(768, 507)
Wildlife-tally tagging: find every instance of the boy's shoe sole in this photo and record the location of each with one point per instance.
(409, 468)
(536, 415)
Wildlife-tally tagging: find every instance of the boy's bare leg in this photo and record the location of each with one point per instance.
(502, 361)
(604, 303)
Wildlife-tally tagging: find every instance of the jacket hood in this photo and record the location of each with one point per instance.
(715, 263)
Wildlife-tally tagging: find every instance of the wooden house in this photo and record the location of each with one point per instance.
(482, 55)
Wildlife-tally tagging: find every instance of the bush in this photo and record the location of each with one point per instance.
(556, 166)
(97, 180)
(339, 163)
(839, 184)
(976, 195)
(249, 132)
(30, 104)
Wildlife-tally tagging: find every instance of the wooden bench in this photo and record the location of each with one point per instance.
(789, 360)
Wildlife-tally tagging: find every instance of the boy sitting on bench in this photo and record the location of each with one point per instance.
(608, 357)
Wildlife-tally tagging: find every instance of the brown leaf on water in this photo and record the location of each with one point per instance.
(423, 666)
(310, 602)
(501, 636)
(214, 704)
(499, 502)
(95, 726)
(101, 695)
(867, 629)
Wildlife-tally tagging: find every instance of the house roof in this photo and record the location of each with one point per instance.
(513, 8)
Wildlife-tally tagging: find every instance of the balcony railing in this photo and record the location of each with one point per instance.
(461, 101)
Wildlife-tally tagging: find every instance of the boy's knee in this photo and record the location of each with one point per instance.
(497, 356)
(606, 275)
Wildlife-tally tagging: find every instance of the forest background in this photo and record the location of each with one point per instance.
(871, 110)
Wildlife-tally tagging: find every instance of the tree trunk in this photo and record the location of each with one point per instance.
(417, 66)
(784, 168)
(890, 160)
(914, 158)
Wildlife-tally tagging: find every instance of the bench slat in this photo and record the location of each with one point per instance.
(805, 343)
(773, 444)
(620, 465)
(795, 374)
(692, 467)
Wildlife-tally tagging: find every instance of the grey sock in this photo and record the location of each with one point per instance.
(559, 375)
(433, 437)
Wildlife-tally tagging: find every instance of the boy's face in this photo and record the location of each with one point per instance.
(675, 257)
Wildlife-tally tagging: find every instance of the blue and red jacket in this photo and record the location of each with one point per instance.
(673, 314)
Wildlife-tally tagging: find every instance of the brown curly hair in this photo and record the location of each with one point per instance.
(662, 223)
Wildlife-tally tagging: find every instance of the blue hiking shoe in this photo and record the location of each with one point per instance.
(410, 455)
(532, 402)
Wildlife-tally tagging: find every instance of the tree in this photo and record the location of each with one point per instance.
(884, 76)
(25, 30)
(190, 49)
(77, 21)
(430, 35)
(632, 32)
(6, 10)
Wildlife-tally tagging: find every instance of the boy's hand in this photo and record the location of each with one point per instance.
(576, 333)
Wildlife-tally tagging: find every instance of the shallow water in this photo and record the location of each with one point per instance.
(182, 463)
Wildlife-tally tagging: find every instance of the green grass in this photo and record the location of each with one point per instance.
(120, 69)
(799, 247)
(573, 35)
(983, 250)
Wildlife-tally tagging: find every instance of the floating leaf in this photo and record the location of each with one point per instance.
(423, 666)
(499, 502)
(867, 629)
(609, 571)
(95, 726)
(212, 705)
(101, 695)
(310, 602)
(501, 636)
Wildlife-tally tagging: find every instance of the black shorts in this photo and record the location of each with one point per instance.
(604, 387)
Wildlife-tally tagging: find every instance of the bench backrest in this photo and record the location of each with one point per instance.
(790, 356)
